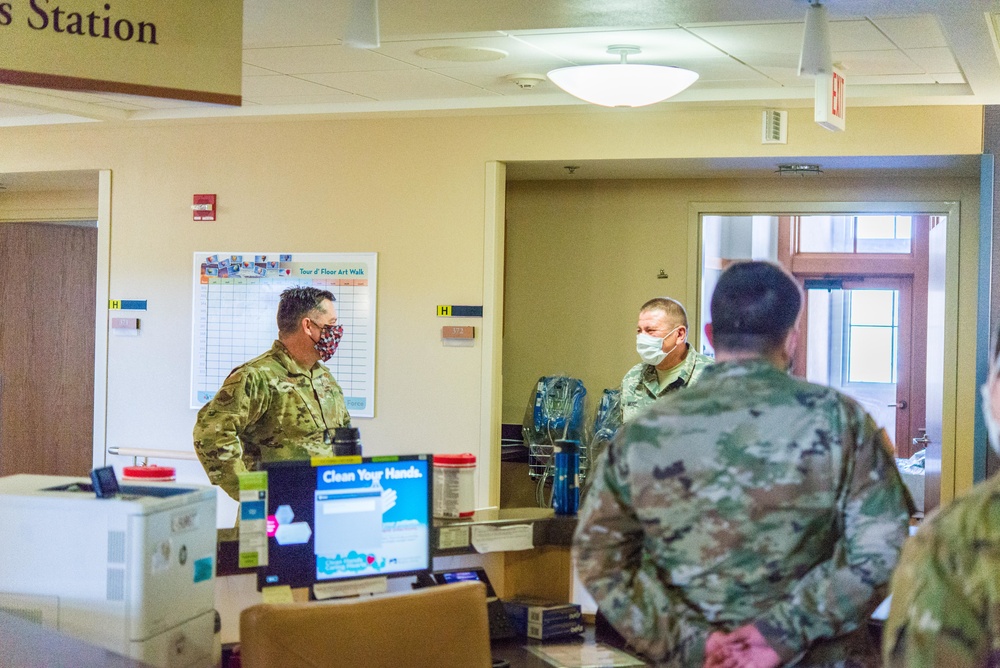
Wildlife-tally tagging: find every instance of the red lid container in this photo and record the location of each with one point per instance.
(151, 473)
(464, 460)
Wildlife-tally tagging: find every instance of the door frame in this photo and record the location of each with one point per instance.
(952, 461)
(101, 321)
(103, 217)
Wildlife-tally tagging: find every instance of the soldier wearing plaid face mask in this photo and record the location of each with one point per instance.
(281, 405)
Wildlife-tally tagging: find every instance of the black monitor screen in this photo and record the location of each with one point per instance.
(330, 522)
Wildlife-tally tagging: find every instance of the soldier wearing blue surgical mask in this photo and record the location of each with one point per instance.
(668, 360)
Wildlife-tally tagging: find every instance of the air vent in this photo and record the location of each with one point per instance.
(775, 128)
(116, 584)
(116, 547)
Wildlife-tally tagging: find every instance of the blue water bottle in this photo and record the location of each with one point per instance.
(566, 484)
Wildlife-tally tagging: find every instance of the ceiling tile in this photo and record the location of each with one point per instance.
(255, 87)
(787, 76)
(868, 63)
(856, 36)
(660, 47)
(786, 38)
(304, 22)
(909, 32)
(520, 55)
(317, 59)
(950, 78)
(935, 61)
(415, 84)
(738, 40)
(254, 71)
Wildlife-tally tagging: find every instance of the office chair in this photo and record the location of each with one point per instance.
(439, 627)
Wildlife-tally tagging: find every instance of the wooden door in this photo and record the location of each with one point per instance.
(856, 335)
(48, 275)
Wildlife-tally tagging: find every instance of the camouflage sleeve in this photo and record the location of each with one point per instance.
(627, 587)
(839, 594)
(932, 620)
(241, 401)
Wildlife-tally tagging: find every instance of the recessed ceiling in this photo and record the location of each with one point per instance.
(294, 62)
(937, 166)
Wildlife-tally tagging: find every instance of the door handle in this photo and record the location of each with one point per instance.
(901, 405)
(921, 440)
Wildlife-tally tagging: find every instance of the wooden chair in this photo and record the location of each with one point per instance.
(436, 627)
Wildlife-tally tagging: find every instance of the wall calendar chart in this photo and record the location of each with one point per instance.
(236, 300)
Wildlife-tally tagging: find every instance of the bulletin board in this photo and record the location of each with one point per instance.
(236, 300)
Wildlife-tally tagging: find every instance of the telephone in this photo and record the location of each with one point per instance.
(500, 626)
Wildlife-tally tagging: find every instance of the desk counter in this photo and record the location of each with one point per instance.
(24, 644)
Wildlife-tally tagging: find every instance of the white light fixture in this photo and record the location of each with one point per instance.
(624, 84)
(816, 57)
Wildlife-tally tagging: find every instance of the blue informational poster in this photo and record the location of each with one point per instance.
(371, 519)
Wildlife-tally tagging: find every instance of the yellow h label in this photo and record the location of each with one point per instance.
(444, 310)
(114, 304)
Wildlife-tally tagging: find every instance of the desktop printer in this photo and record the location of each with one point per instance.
(134, 573)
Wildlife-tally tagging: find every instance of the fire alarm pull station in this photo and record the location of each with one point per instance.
(204, 207)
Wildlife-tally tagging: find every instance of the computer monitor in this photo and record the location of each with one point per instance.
(329, 522)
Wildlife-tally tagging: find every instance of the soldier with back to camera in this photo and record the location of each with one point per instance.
(752, 519)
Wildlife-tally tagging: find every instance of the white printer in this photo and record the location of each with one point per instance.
(134, 573)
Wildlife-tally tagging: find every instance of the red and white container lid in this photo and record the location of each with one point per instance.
(463, 461)
(150, 473)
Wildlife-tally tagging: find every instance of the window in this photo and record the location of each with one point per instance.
(854, 234)
(872, 331)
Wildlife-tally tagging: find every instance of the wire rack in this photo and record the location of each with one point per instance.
(541, 468)
(540, 462)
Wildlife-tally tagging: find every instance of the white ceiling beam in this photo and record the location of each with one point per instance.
(61, 105)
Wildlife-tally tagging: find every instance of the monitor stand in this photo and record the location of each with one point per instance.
(325, 590)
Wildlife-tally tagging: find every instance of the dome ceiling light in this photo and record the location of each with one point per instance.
(624, 84)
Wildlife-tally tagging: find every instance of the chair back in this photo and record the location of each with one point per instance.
(439, 627)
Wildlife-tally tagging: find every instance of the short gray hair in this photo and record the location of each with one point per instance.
(672, 308)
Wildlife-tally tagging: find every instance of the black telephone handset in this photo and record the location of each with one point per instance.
(105, 482)
(496, 613)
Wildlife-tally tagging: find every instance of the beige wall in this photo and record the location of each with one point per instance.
(411, 189)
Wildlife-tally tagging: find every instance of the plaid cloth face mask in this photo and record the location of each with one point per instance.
(329, 339)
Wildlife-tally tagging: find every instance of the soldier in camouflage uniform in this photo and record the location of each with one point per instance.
(946, 592)
(668, 360)
(750, 520)
(280, 405)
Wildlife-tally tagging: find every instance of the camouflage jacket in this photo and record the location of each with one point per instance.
(270, 408)
(752, 497)
(946, 592)
(640, 386)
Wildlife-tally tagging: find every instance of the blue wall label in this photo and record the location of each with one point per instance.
(127, 304)
(452, 311)
(203, 569)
